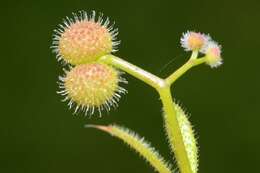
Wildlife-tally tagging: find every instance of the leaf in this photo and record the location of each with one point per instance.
(139, 145)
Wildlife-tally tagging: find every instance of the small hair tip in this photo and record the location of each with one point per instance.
(99, 127)
(90, 126)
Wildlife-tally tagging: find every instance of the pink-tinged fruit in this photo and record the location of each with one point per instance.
(92, 86)
(194, 41)
(84, 40)
(213, 54)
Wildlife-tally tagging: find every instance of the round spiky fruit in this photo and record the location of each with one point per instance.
(213, 54)
(84, 39)
(194, 41)
(92, 86)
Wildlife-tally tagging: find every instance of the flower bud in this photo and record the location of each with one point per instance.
(194, 41)
(83, 39)
(213, 54)
(92, 86)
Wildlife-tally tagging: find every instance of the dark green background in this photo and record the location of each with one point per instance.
(38, 132)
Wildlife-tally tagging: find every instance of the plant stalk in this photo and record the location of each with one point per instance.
(163, 87)
(174, 132)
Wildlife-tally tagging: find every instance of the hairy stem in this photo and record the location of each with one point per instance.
(135, 71)
(163, 87)
(179, 72)
(174, 131)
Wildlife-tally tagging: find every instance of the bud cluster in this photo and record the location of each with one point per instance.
(195, 41)
(80, 42)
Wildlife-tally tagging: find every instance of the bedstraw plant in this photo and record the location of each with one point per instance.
(91, 84)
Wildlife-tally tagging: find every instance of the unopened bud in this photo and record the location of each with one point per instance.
(194, 41)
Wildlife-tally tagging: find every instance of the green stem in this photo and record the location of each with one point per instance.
(194, 54)
(174, 132)
(189, 64)
(135, 71)
(163, 87)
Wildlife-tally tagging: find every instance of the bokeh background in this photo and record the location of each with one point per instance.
(39, 134)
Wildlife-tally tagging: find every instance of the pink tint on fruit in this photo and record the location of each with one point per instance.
(196, 40)
(213, 54)
(216, 51)
(91, 84)
(85, 41)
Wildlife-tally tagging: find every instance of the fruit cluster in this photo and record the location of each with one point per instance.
(89, 85)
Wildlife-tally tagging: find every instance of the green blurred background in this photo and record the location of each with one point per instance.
(38, 132)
